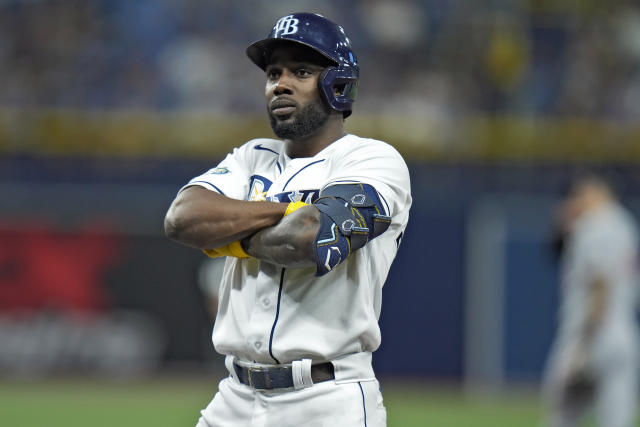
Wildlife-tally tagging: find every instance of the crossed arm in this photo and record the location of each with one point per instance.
(204, 219)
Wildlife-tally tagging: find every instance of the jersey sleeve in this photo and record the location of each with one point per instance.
(381, 166)
(229, 178)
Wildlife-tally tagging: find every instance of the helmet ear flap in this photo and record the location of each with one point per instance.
(338, 89)
(326, 86)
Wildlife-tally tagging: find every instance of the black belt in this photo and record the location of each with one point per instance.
(272, 377)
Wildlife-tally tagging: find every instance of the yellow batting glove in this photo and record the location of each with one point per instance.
(294, 206)
(211, 253)
(232, 249)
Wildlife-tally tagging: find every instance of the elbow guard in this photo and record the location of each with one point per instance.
(351, 215)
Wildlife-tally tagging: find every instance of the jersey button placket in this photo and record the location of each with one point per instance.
(263, 314)
(265, 303)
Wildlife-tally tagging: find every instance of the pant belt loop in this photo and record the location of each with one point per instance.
(306, 372)
(228, 363)
(301, 373)
(296, 373)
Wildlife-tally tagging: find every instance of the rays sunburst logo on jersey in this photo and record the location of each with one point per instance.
(258, 188)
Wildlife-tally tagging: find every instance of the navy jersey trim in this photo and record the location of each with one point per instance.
(275, 322)
(260, 147)
(364, 407)
(209, 184)
(303, 168)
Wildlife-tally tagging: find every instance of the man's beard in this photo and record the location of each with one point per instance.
(304, 124)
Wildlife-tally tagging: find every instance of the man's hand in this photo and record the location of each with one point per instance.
(578, 382)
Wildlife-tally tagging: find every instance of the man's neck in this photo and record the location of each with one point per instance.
(309, 147)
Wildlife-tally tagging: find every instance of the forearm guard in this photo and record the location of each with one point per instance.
(351, 215)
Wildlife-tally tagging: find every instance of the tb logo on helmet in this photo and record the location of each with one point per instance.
(286, 25)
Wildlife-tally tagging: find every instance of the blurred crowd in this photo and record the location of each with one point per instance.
(419, 57)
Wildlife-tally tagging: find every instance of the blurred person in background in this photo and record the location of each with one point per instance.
(594, 359)
(296, 217)
(209, 278)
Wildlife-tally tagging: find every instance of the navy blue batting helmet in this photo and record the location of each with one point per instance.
(339, 82)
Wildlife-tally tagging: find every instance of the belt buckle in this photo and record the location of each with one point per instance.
(252, 370)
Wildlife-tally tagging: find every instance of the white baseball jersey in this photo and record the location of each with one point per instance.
(602, 246)
(270, 314)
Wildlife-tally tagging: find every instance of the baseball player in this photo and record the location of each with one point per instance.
(310, 224)
(594, 359)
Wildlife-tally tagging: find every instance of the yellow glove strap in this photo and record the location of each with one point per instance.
(294, 206)
(232, 249)
(212, 253)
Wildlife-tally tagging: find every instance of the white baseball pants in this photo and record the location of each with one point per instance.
(326, 404)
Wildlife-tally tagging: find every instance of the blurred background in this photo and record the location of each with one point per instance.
(107, 107)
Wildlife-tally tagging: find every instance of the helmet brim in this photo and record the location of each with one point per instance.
(260, 51)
